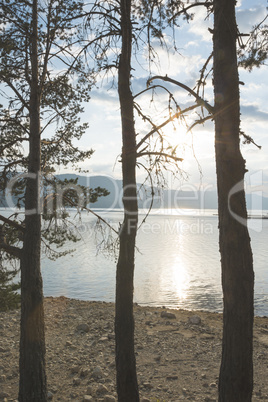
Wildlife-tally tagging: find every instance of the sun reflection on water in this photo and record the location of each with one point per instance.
(180, 279)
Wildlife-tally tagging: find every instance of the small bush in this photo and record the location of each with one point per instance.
(9, 297)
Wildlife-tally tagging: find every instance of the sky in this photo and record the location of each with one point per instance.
(194, 43)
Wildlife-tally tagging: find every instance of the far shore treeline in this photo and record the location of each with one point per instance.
(192, 197)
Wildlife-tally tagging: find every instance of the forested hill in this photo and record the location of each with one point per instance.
(165, 199)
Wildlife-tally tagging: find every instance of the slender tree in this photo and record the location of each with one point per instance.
(124, 27)
(236, 373)
(127, 386)
(34, 36)
(32, 341)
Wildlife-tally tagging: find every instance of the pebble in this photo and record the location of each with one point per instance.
(109, 398)
(194, 319)
(102, 389)
(147, 385)
(97, 372)
(82, 328)
(84, 372)
(75, 369)
(76, 381)
(4, 395)
(213, 385)
(3, 378)
(87, 398)
(172, 377)
(89, 390)
(166, 314)
(111, 336)
(103, 339)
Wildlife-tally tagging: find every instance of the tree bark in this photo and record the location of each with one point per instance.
(127, 386)
(32, 385)
(236, 372)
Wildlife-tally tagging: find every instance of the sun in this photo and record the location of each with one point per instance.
(194, 145)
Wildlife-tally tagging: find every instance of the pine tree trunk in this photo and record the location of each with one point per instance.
(32, 386)
(236, 373)
(127, 386)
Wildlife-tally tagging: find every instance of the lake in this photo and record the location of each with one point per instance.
(177, 262)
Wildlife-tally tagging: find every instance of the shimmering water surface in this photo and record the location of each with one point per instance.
(177, 263)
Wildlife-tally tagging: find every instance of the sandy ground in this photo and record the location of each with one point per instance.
(178, 357)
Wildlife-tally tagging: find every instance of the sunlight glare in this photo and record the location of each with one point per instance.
(180, 279)
(190, 145)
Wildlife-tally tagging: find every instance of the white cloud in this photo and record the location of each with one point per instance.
(247, 18)
(200, 24)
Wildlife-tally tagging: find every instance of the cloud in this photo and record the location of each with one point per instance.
(105, 98)
(176, 64)
(200, 24)
(256, 88)
(253, 113)
(247, 18)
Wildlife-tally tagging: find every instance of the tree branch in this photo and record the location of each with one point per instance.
(175, 158)
(153, 87)
(92, 212)
(201, 121)
(10, 222)
(184, 10)
(14, 89)
(8, 165)
(15, 251)
(49, 41)
(199, 100)
(171, 118)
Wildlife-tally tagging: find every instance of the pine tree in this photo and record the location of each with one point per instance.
(44, 81)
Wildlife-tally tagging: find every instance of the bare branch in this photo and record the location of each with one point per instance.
(199, 100)
(202, 71)
(163, 154)
(201, 121)
(184, 10)
(14, 89)
(249, 140)
(92, 212)
(170, 119)
(153, 87)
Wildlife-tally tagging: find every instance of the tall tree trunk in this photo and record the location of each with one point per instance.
(32, 386)
(127, 386)
(236, 373)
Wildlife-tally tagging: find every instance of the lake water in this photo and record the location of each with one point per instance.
(177, 263)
